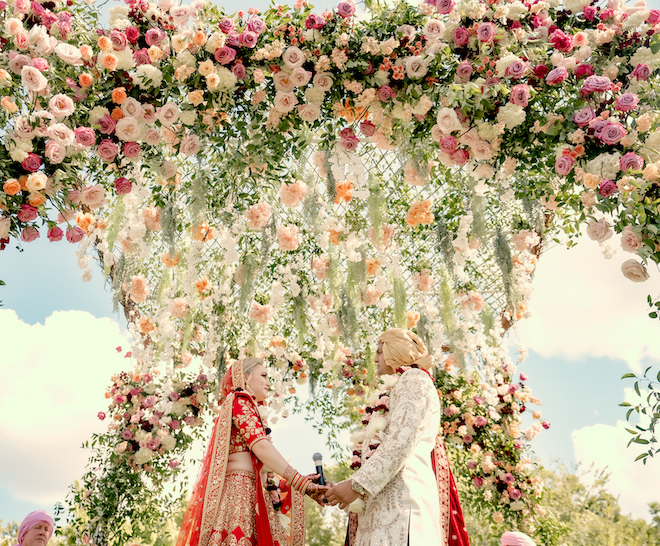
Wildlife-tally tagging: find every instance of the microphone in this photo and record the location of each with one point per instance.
(318, 461)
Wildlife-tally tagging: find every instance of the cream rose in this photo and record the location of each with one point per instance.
(448, 121)
(599, 231)
(634, 271)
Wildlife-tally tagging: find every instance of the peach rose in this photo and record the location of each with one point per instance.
(169, 260)
(139, 289)
(258, 215)
(261, 313)
(206, 67)
(104, 43)
(119, 95)
(371, 296)
(36, 199)
(85, 80)
(287, 237)
(634, 271)
(11, 187)
(420, 213)
(293, 57)
(293, 194)
(196, 97)
(373, 266)
(423, 281)
(146, 325)
(180, 308)
(321, 266)
(151, 217)
(412, 318)
(109, 61)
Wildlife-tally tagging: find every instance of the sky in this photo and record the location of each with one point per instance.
(589, 326)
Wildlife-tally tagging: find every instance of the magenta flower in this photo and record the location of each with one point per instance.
(607, 187)
(641, 72)
(564, 165)
(556, 76)
(55, 234)
(626, 102)
(224, 55)
(346, 9)
(486, 32)
(461, 37)
(515, 494)
(631, 161)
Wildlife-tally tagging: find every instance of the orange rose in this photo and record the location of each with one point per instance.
(104, 43)
(168, 260)
(11, 187)
(412, 317)
(196, 97)
(119, 95)
(117, 114)
(109, 61)
(202, 232)
(344, 191)
(8, 104)
(85, 80)
(84, 220)
(202, 285)
(419, 213)
(36, 199)
(23, 180)
(333, 236)
(86, 52)
(373, 266)
(146, 325)
(199, 38)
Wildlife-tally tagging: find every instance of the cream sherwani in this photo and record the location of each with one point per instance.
(402, 505)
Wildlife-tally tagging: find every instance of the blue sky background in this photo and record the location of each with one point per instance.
(589, 327)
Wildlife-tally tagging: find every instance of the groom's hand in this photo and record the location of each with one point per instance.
(341, 494)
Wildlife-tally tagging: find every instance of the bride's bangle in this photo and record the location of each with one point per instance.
(296, 480)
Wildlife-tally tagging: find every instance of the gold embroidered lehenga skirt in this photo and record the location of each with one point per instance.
(236, 524)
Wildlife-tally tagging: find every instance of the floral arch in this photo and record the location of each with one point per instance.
(291, 183)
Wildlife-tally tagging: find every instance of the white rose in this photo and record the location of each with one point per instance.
(33, 79)
(128, 129)
(599, 231)
(293, 57)
(434, 29)
(416, 67)
(285, 102)
(512, 115)
(168, 113)
(70, 54)
(634, 271)
(23, 128)
(448, 121)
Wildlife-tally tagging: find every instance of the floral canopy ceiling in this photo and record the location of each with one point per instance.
(291, 183)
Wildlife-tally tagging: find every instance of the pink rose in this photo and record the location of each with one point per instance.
(132, 34)
(612, 133)
(367, 128)
(285, 102)
(630, 241)
(33, 79)
(100, 415)
(239, 71)
(29, 234)
(584, 116)
(248, 38)
(74, 234)
(486, 32)
(595, 84)
(40, 64)
(607, 187)
(460, 156)
(107, 150)
(92, 196)
(293, 57)
(27, 213)
(564, 165)
(448, 144)
(463, 72)
(626, 102)
(123, 186)
(31, 163)
(154, 36)
(315, 21)
(84, 136)
(589, 13)
(631, 161)
(515, 494)
(227, 25)
(583, 71)
(287, 238)
(599, 231)
(520, 95)
(561, 42)
(224, 55)
(461, 37)
(385, 93)
(516, 70)
(131, 150)
(106, 125)
(256, 24)
(641, 72)
(118, 39)
(348, 139)
(55, 234)
(654, 17)
(445, 6)
(346, 9)
(55, 152)
(141, 56)
(190, 145)
(556, 75)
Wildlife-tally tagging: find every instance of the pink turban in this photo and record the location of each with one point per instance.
(31, 520)
(516, 539)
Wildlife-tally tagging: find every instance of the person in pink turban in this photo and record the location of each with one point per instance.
(514, 538)
(36, 529)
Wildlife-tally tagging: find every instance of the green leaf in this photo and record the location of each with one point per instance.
(637, 388)
(642, 456)
(640, 441)
(625, 376)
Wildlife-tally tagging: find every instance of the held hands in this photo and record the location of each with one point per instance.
(341, 494)
(317, 493)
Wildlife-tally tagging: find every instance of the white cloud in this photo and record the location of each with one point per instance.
(605, 446)
(53, 379)
(583, 307)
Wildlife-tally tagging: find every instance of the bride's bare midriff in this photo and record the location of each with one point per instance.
(240, 461)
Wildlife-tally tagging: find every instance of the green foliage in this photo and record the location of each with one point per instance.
(644, 416)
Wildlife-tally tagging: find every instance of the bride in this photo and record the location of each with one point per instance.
(231, 503)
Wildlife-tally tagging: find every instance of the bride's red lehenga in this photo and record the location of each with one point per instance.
(233, 508)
